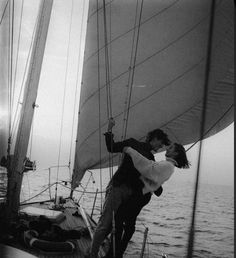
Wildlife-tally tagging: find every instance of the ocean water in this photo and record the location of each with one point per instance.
(167, 218)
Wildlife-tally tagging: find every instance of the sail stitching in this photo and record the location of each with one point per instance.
(145, 21)
(135, 27)
(164, 125)
(148, 58)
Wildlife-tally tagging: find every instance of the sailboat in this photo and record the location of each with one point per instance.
(148, 64)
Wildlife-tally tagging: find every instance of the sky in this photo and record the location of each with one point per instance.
(217, 164)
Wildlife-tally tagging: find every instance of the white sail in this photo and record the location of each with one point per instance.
(169, 74)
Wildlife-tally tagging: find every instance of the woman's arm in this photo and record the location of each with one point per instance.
(148, 168)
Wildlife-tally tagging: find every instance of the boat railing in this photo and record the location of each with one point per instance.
(65, 183)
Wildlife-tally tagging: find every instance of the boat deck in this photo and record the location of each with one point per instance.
(70, 222)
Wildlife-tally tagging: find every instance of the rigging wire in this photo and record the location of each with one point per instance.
(4, 11)
(15, 119)
(64, 96)
(10, 62)
(76, 90)
(192, 227)
(17, 51)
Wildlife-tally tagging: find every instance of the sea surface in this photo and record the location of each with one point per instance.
(167, 218)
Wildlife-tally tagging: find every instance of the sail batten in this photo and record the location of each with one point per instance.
(169, 74)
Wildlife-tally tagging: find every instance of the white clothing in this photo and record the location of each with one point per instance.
(153, 174)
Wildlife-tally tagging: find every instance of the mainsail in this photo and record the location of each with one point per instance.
(149, 60)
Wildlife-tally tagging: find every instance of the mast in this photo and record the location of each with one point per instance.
(15, 170)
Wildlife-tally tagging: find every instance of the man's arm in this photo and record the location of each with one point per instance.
(113, 146)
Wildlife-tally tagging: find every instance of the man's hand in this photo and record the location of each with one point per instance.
(125, 149)
(111, 123)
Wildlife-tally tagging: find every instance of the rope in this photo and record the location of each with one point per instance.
(107, 66)
(131, 58)
(64, 95)
(109, 115)
(99, 109)
(132, 68)
(191, 232)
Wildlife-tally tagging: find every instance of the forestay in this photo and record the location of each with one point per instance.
(169, 73)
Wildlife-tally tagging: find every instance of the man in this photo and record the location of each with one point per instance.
(125, 181)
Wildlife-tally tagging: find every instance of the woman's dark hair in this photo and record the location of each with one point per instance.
(181, 157)
(160, 135)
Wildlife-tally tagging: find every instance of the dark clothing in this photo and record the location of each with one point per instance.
(125, 218)
(126, 172)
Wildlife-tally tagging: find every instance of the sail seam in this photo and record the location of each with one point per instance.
(148, 58)
(134, 28)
